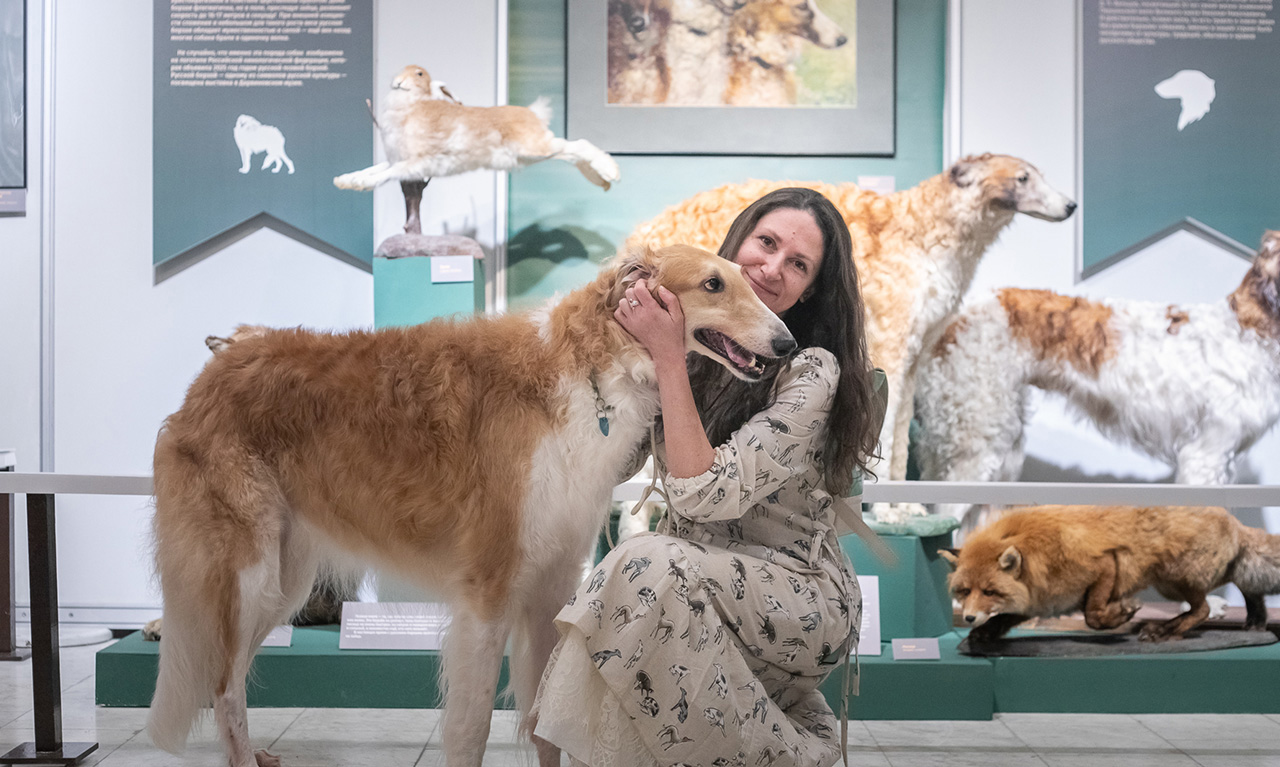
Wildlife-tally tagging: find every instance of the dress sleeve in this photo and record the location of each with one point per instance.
(774, 445)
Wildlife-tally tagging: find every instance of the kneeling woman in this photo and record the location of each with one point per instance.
(706, 644)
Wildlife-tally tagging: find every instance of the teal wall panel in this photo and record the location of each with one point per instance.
(560, 227)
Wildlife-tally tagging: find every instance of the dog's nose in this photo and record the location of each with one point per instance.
(970, 618)
(841, 40)
(783, 346)
(1071, 208)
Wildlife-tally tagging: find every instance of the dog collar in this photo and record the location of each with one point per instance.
(603, 409)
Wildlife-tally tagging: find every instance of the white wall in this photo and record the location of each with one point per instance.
(125, 349)
(20, 285)
(1018, 96)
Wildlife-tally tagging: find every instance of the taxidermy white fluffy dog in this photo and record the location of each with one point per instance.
(425, 136)
(1194, 386)
(252, 137)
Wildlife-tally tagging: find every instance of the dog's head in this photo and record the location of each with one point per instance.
(1011, 184)
(1257, 301)
(246, 122)
(764, 20)
(987, 581)
(723, 317)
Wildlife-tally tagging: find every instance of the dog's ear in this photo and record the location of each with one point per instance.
(951, 555)
(1270, 242)
(637, 262)
(964, 171)
(217, 343)
(1011, 561)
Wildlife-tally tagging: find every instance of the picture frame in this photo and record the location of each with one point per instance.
(716, 121)
(13, 94)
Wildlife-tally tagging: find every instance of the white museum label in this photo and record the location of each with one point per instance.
(280, 636)
(392, 625)
(869, 632)
(453, 269)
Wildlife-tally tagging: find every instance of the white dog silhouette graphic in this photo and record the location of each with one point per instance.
(253, 137)
(1194, 88)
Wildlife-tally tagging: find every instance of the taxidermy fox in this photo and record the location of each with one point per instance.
(1050, 560)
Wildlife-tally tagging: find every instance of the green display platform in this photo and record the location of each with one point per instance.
(913, 595)
(314, 673)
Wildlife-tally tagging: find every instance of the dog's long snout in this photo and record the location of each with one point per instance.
(783, 345)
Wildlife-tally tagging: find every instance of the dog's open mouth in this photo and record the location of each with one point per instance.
(745, 362)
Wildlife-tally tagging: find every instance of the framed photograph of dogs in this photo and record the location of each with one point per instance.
(765, 77)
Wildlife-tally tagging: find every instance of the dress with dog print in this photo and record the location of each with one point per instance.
(706, 646)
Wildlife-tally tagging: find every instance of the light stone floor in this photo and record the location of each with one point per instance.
(403, 738)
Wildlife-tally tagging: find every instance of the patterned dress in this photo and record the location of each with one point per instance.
(706, 646)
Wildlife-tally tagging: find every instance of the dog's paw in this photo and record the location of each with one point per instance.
(266, 760)
(151, 630)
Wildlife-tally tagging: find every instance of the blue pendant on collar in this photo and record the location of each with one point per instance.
(602, 408)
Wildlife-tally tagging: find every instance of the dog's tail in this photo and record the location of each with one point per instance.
(541, 108)
(185, 684)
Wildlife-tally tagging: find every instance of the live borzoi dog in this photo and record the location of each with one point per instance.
(916, 253)
(474, 458)
(1191, 385)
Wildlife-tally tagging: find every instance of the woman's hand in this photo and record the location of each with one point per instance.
(659, 330)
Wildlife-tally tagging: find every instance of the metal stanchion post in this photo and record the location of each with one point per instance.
(9, 649)
(42, 551)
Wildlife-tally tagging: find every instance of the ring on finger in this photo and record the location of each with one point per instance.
(633, 302)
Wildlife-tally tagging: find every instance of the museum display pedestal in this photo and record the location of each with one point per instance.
(313, 672)
(913, 593)
(417, 278)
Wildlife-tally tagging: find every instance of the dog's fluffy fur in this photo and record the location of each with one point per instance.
(426, 136)
(915, 250)
(1193, 386)
(464, 456)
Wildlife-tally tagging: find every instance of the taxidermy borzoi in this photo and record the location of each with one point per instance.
(468, 457)
(425, 135)
(1193, 386)
(915, 250)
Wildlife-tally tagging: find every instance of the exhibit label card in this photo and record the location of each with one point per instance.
(256, 107)
(392, 625)
(280, 636)
(925, 648)
(869, 636)
(453, 268)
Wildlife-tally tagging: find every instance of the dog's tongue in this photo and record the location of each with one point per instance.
(740, 357)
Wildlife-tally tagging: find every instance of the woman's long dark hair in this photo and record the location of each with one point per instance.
(831, 317)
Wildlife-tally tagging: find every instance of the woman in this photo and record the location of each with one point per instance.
(706, 645)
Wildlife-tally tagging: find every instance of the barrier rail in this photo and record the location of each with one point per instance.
(41, 488)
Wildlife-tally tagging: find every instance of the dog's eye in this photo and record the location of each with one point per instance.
(990, 593)
(962, 592)
(713, 285)
(1023, 178)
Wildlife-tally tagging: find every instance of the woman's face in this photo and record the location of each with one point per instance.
(781, 256)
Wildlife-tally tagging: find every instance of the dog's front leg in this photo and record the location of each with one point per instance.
(472, 659)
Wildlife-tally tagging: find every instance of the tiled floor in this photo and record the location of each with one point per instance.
(401, 738)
